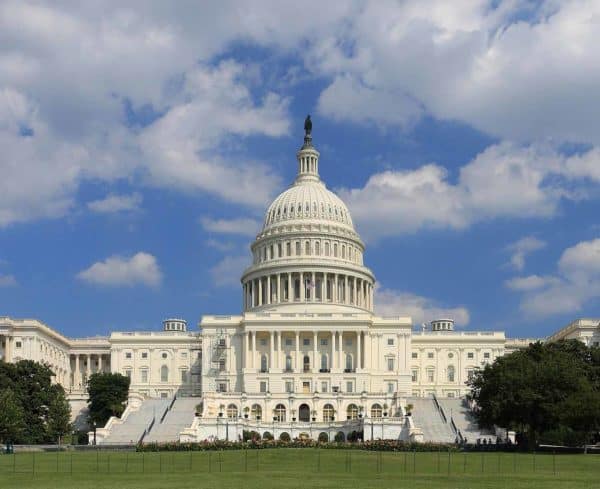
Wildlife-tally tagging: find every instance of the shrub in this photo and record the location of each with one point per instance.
(323, 437)
(267, 436)
(284, 437)
(340, 437)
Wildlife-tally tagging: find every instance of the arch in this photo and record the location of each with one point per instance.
(306, 363)
(164, 373)
(451, 373)
(256, 411)
(279, 413)
(352, 411)
(340, 437)
(304, 413)
(284, 436)
(376, 411)
(232, 411)
(324, 363)
(328, 412)
(323, 437)
(267, 435)
(264, 362)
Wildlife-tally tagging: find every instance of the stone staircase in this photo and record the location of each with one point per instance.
(427, 417)
(135, 423)
(464, 420)
(179, 417)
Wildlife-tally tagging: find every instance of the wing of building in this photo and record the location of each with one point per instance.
(306, 356)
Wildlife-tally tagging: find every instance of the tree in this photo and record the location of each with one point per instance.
(59, 415)
(11, 417)
(108, 394)
(545, 388)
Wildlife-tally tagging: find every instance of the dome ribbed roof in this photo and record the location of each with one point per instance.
(308, 201)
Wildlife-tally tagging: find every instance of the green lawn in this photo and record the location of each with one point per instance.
(297, 468)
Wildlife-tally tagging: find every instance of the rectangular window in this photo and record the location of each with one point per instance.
(391, 387)
(430, 376)
(335, 388)
(323, 342)
(288, 342)
(263, 386)
(430, 355)
(349, 342)
(470, 355)
(323, 386)
(470, 374)
(128, 354)
(390, 341)
(221, 365)
(289, 386)
(144, 354)
(128, 374)
(263, 342)
(184, 354)
(415, 355)
(305, 387)
(144, 376)
(17, 344)
(221, 387)
(306, 342)
(349, 386)
(390, 364)
(184, 376)
(486, 355)
(415, 375)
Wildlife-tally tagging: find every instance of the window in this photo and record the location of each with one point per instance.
(349, 386)
(324, 367)
(327, 248)
(232, 411)
(352, 411)
(144, 354)
(450, 355)
(430, 374)
(128, 373)
(264, 364)
(288, 249)
(279, 413)
(288, 342)
(376, 411)
(306, 363)
(288, 363)
(470, 355)
(256, 411)
(164, 373)
(430, 355)
(184, 376)
(144, 376)
(184, 354)
(328, 412)
(18, 344)
(128, 355)
(415, 375)
(221, 365)
(307, 248)
(263, 342)
(306, 342)
(317, 248)
(221, 387)
(306, 387)
(263, 386)
(298, 248)
(390, 341)
(164, 355)
(289, 386)
(470, 374)
(415, 355)
(279, 250)
(486, 355)
(450, 373)
(323, 386)
(349, 342)
(391, 387)
(390, 364)
(323, 341)
(349, 363)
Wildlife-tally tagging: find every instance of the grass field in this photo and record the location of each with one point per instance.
(297, 468)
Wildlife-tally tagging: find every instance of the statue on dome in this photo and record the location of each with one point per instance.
(307, 125)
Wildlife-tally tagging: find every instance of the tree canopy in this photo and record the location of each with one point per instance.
(32, 409)
(548, 392)
(108, 394)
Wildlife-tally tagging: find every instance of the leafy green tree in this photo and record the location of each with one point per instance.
(108, 394)
(11, 417)
(545, 388)
(59, 415)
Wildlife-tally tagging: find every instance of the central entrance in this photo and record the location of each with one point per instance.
(304, 413)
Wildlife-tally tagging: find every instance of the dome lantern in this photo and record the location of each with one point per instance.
(308, 157)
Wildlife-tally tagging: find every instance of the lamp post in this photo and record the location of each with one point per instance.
(94, 425)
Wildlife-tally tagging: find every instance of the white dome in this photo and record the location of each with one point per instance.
(308, 201)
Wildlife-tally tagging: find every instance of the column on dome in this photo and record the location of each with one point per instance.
(346, 294)
(340, 348)
(252, 294)
(302, 287)
(290, 298)
(268, 289)
(279, 288)
(358, 350)
(334, 291)
(354, 298)
(272, 350)
(315, 360)
(278, 347)
(324, 288)
(313, 286)
(260, 291)
(297, 343)
(88, 367)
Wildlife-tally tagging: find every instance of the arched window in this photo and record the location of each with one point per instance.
(376, 411)
(335, 249)
(279, 413)
(288, 363)
(328, 412)
(352, 411)
(264, 363)
(306, 363)
(343, 251)
(326, 248)
(307, 248)
(279, 250)
(288, 249)
(232, 411)
(317, 248)
(324, 367)
(298, 248)
(164, 373)
(450, 373)
(256, 411)
(348, 362)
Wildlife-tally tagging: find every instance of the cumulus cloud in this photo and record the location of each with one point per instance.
(390, 302)
(575, 283)
(139, 269)
(506, 180)
(521, 248)
(7, 280)
(241, 226)
(227, 272)
(113, 203)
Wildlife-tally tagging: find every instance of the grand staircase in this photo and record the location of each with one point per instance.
(428, 418)
(136, 423)
(464, 420)
(179, 416)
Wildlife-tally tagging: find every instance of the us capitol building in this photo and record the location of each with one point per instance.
(307, 355)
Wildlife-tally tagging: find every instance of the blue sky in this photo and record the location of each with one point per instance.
(141, 147)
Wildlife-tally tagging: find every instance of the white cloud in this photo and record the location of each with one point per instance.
(139, 269)
(7, 280)
(506, 180)
(220, 245)
(422, 310)
(241, 226)
(116, 203)
(576, 282)
(228, 271)
(521, 248)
